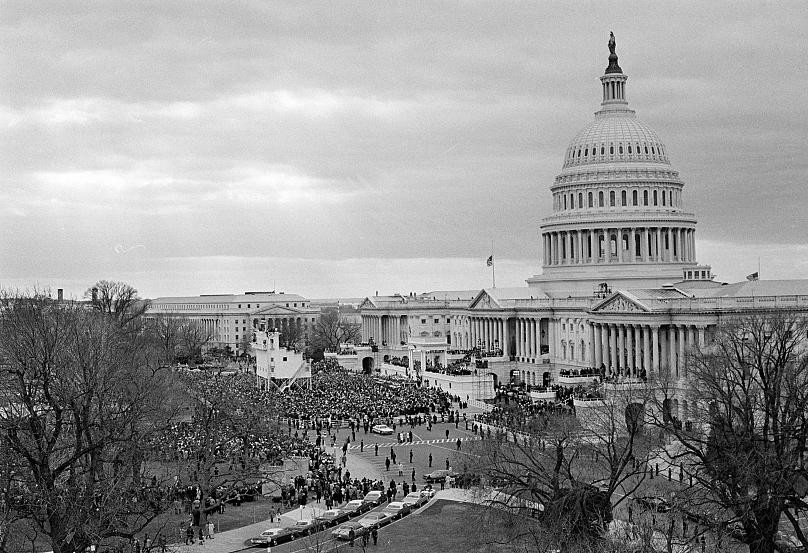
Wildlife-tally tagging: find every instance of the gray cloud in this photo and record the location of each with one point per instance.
(356, 130)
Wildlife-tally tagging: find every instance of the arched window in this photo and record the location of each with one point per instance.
(580, 200)
(623, 201)
(601, 246)
(655, 197)
(646, 149)
(602, 150)
(586, 152)
(664, 194)
(637, 246)
(590, 199)
(613, 245)
(611, 149)
(572, 352)
(611, 198)
(620, 149)
(634, 197)
(565, 201)
(629, 148)
(600, 198)
(624, 243)
(645, 197)
(653, 151)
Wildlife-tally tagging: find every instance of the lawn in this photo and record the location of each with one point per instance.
(446, 526)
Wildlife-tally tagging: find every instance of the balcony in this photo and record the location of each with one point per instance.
(576, 380)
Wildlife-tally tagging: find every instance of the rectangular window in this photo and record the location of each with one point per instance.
(423, 321)
(437, 321)
(284, 358)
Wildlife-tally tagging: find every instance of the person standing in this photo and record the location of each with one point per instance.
(430, 459)
(377, 450)
(387, 463)
(413, 476)
(410, 456)
(375, 535)
(447, 463)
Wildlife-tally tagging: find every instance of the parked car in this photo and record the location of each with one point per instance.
(356, 507)
(439, 475)
(303, 527)
(657, 504)
(376, 518)
(332, 517)
(382, 429)
(344, 531)
(396, 509)
(271, 537)
(374, 497)
(416, 499)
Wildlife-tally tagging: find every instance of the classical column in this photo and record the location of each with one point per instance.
(655, 348)
(646, 350)
(604, 341)
(613, 347)
(580, 257)
(632, 251)
(669, 254)
(593, 254)
(621, 349)
(518, 330)
(619, 245)
(680, 368)
(701, 330)
(598, 345)
(658, 245)
(506, 343)
(590, 335)
(533, 340)
(671, 349)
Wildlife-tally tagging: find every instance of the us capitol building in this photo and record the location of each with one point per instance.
(621, 293)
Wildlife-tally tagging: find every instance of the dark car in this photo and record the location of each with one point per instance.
(656, 504)
(332, 517)
(272, 537)
(303, 527)
(344, 531)
(439, 475)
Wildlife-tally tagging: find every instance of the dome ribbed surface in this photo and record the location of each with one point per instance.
(615, 136)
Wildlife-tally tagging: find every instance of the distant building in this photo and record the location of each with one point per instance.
(229, 317)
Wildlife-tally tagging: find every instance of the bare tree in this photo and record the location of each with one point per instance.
(745, 448)
(567, 472)
(116, 299)
(81, 397)
(230, 436)
(333, 329)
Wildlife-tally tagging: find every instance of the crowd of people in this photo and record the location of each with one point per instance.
(337, 394)
(522, 414)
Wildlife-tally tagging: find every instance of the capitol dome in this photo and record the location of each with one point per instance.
(617, 214)
(615, 136)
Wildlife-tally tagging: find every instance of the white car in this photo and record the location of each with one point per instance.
(415, 499)
(381, 429)
(396, 509)
(377, 518)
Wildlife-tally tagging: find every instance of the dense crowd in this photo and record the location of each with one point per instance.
(522, 414)
(338, 394)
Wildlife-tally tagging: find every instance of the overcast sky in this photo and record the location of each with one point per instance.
(339, 148)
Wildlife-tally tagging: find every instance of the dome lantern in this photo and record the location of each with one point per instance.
(614, 82)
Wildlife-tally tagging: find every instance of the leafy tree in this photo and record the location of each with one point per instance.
(82, 397)
(745, 449)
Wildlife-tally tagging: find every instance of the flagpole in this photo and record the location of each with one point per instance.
(493, 271)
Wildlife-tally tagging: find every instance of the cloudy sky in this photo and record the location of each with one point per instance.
(340, 148)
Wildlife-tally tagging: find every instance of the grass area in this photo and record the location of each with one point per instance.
(445, 526)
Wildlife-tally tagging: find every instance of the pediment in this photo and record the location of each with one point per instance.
(483, 300)
(620, 303)
(367, 304)
(277, 311)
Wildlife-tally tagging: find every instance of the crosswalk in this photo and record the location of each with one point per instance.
(370, 445)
